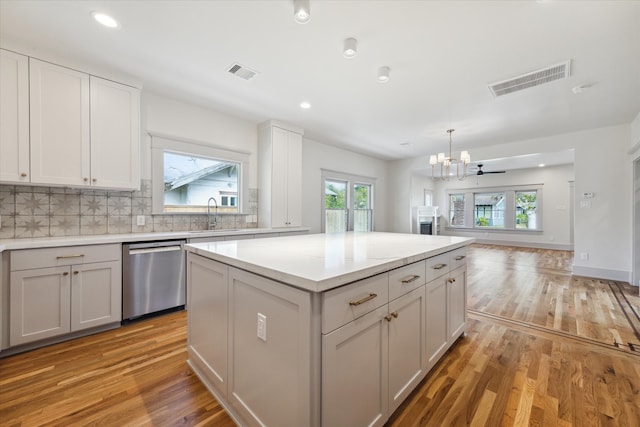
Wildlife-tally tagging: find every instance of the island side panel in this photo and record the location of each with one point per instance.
(207, 293)
(269, 376)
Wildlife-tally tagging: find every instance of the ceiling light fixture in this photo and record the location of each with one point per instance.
(105, 19)
(301, 11)
(446, 162)
(305, 105)
(383, 74)
(350, 48)
(541, 165)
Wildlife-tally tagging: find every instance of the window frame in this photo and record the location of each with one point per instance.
(352, 181)
(509, 211)
(162, 143)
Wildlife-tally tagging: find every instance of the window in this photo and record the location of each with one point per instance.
(335, 206)
(526, 209)
(347, 203)
(456, 210)
(186, 175)
(362, 212)
(190, 181)
(505, 208)
(489, 210)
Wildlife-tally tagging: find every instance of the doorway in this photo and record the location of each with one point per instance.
(635, 263)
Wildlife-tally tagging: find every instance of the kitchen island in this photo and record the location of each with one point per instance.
(323, 329)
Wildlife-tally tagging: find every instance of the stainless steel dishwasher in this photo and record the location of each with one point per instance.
(153, 277)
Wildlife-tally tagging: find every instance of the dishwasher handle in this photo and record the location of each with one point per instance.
(154, 250)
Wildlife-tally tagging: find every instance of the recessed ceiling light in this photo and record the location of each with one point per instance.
(541, 165)
(105, 19)
(305, 105)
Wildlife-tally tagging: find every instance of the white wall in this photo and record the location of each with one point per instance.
(317, 156)
(556, 221)
(602, 166)
(170, 117)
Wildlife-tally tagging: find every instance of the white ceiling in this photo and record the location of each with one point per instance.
(442, 55)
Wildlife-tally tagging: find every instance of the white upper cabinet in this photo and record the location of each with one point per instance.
(115, 134)
(64, 127)
(60, 144)
(14, 117)
(280, 172)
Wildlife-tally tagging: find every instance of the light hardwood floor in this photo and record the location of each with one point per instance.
(526, 359)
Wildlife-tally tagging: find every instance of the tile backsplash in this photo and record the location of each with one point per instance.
(27, 212)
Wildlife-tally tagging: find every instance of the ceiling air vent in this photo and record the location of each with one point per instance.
(242, 71)
(534, 78)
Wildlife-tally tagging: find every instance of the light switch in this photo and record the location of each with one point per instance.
(140, 220)
(262, 327)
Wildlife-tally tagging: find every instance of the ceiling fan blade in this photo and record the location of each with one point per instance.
(494, 172)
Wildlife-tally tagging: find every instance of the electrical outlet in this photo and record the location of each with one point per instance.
(140, 220)
(262, 327)
(584, 256)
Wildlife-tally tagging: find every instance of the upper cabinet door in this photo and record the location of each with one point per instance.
(14, 117)
(60, 145)
(115, 135)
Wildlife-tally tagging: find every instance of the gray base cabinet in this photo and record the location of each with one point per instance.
(61, 290)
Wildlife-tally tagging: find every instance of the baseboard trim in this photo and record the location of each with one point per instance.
(535, 245)
(602, 273)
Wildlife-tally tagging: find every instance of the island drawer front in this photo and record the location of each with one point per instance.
(458, 258)
(437, 266)
(52, 257)
(405, 279)
(341, 305)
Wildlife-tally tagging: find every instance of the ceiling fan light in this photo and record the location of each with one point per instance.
(301, 11)
(433, 160)
(440, 157)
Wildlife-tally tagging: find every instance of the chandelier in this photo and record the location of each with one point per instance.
(446, 162)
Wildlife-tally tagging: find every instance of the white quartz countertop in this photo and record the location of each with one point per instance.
(51, 242)
(319, 262)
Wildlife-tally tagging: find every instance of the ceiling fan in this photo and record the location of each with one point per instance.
(481, 172)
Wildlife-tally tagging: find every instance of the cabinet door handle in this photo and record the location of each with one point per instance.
(451, 280)
(363, 300)
(410, 279)
(439, 266)
(85, 179)
(395, 314)
(66, 273)
(460, 257)
(388, 318)
(69, 256)
(94, 180)
(75, 272)
(24, 175)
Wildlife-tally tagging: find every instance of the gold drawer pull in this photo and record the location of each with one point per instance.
(69, 256)
(451, 280)
(363, 300)
(460, 257)
(410, 279)
(391, 316)
(66, 273)
(439, 266)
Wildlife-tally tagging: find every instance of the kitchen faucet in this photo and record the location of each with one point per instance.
(212, 224)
